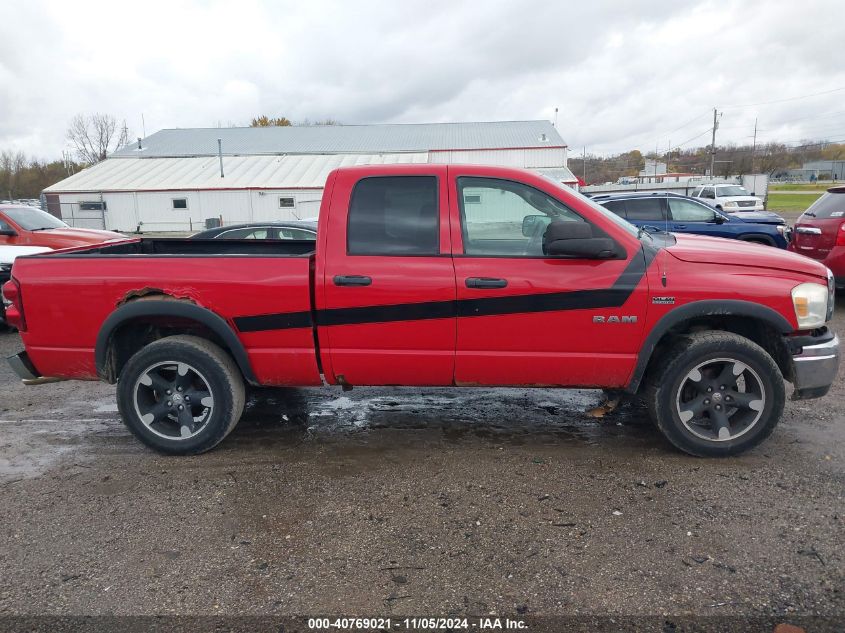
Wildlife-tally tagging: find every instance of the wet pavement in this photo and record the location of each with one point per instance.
(414, 501)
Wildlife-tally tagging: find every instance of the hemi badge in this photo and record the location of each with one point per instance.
(663, 300)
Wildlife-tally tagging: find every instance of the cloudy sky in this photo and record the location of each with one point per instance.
(624, 75)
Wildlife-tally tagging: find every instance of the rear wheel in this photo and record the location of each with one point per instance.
(716, 394)
(180, 395)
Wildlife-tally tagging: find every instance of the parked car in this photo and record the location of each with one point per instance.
(681, 214)
(28, 226)
(442, 275)
(288, 230)
(728, 198)
(820, 232)
(7, 258)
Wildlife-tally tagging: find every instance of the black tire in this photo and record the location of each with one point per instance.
(210, 371)
(712, 355)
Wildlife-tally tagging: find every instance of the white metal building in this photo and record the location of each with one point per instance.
(172, 180)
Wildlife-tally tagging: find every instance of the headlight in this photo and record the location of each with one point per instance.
(781, 229)
(811, 305)
(731, 205)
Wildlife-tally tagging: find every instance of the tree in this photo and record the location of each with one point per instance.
(95, 136)
(21, 177)
(265, 121)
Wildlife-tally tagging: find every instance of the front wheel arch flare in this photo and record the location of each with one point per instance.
(702, 309)
(138, 310)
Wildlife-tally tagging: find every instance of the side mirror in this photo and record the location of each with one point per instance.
(719, 218)
(530, 223)
(575, 239)
(9, 232)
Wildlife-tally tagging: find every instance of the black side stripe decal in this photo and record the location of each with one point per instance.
(612, 297)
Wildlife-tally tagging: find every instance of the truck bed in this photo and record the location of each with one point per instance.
(240, 281)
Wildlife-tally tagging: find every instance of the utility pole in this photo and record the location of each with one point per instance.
(555, 123)
(753, 149)
(713, 145)
(754, 145)
(584, 160)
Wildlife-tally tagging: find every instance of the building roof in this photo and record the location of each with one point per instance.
(345, 139)
(203, 172)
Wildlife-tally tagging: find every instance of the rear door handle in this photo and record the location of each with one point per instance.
(352, 280)
(486, 282)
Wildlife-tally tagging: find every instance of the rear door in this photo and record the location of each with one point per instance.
(525, 318)
(386, 310)
(816, 230)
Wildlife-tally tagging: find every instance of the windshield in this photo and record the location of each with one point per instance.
(724, 192)
(33, 219)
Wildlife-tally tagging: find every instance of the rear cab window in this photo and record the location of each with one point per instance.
(394, 215)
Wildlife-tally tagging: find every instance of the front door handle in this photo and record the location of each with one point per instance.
(486, 282)
(352, 280)
(679, 226)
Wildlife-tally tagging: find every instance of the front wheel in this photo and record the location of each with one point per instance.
(180, 395)
(716, 394)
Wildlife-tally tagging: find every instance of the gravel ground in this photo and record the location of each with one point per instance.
(414, 501)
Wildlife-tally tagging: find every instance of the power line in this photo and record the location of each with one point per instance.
(707, 131)
(681, 127)
(815, 94)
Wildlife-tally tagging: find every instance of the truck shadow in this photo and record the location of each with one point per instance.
(289, 417)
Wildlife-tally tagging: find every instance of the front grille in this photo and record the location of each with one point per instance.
(746, 203)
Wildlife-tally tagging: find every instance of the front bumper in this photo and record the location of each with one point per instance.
(815, 362)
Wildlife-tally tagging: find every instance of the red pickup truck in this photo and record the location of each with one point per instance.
(435, 275)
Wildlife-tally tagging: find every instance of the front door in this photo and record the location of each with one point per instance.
(386, 314)
(525, 318)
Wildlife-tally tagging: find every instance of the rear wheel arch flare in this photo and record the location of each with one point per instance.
(140, 312)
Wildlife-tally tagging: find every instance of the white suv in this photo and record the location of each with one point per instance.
(728, 198)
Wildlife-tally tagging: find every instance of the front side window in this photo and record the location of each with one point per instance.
(689, 211)
(394, 215)
(707, 192)
(510, 218)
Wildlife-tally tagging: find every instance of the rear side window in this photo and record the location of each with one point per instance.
(617, 206)
(645, 209)
(830, 205)
(395, 215)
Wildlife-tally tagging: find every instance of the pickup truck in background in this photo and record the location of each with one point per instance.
(435, 275)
